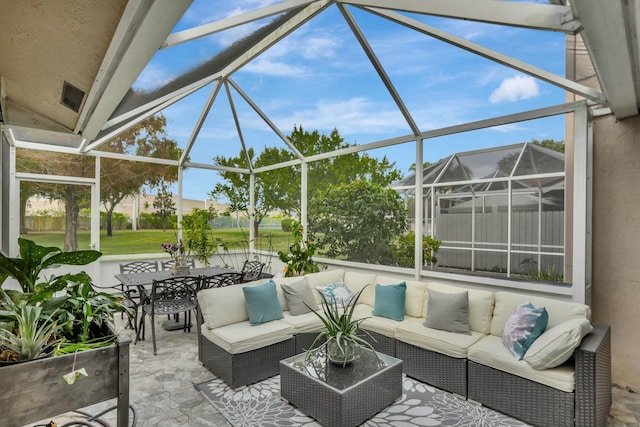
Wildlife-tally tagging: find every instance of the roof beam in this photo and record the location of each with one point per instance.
(278, 34)
(500, 58)
(266, 119)
(231, 22)
(238, 127)
(379, 69)
(102, 154)
(198, 125)
(527, 15)
(612, 43)
(145, 23)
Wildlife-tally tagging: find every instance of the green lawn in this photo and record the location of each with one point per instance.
(148, 241)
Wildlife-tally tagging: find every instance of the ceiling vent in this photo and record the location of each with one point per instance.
(71, 96)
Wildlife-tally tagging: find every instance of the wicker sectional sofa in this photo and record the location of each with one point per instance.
(476, 366)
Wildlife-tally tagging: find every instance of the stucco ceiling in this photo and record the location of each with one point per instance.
(101, 47)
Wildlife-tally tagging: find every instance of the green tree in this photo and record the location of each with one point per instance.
(359, 221)
(425, 165)
(236, 188)
(75, 197)
(550, 144)
(164, 204)
(123, 178)
(119, 178)
(279, 190)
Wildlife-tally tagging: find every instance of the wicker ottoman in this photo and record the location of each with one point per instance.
(341, 396)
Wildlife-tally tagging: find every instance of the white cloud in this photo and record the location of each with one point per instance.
(349, 116)
(152, 77)
(515, 89)
(266, 67)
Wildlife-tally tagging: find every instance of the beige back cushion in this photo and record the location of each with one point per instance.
(322, 278)
(357, 281)
(226, 306)
(414, 301)
(559, 311)
(222, 306)
(480, 305)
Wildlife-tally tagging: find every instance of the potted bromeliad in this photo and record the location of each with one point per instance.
(53, 331)
(55, 315)
(340, 338)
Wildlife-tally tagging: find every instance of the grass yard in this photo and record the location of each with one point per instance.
(148, 241)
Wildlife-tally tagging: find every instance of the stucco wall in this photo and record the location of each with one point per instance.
(616, 241)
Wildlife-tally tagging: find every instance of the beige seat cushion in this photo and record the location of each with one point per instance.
(451, 344)
(242, 337)
(381, 325)
(302, 322)
(489, 351)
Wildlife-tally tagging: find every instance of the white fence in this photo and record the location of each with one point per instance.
(481, 244)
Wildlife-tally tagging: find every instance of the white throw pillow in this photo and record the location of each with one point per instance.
(556, 345)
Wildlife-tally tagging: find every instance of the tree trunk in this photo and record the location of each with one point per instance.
(256, 227)
(109, 216)
(23, 214)
(72, 211)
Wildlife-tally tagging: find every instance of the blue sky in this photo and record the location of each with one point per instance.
(320, 78)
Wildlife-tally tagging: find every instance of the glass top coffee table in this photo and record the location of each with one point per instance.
(341, 396)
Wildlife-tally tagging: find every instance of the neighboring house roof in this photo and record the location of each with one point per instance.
(485, 171)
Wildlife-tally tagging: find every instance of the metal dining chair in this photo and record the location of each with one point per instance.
(220, 280)
(133, 295)
(138, 267)
(251, 270)
(168, 264)
(169, 296)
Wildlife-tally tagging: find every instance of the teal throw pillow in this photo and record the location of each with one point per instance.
(262, 303)
(389, 301)
(523, 327)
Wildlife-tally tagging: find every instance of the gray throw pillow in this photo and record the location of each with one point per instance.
(448, 312)
(297, 294)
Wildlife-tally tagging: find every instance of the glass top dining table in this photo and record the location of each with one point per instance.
(142, 281)
(147, 278)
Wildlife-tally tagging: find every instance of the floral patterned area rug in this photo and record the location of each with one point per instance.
(420, 405)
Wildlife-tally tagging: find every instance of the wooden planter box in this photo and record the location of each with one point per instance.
(35, 390)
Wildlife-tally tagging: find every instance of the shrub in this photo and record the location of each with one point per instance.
(406, 252)
(287, 224)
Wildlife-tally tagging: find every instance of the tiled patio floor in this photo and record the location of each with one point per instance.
(163, 393)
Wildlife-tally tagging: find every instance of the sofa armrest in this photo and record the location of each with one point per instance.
(593, 377)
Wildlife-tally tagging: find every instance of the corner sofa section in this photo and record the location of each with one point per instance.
(475, 366)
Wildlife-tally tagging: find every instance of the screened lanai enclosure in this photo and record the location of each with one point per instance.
(497, 210)
(323, 110)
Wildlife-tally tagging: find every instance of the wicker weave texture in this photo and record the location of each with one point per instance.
(529, 401)
(381, 343)
(445, 372)
(593, 377)
(304, 342)
(241, 369)
(350, 407)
